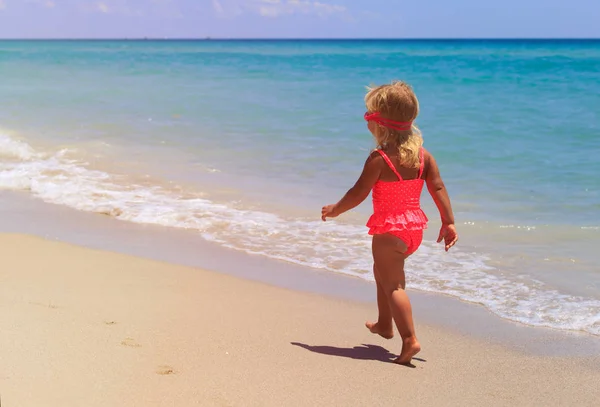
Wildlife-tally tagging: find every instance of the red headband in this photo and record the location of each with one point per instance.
(389, 123)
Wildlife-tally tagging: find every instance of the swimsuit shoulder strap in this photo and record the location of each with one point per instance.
(389, 163)
(422, 160)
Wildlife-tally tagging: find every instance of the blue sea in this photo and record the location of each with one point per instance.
(242, 142)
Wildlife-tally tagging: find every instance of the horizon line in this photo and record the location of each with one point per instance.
(209, 38)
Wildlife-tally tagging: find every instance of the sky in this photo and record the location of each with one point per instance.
(299, 19)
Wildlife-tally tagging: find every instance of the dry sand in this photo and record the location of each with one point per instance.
(87, 328)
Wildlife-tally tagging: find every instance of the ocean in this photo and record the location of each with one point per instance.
(242, 142)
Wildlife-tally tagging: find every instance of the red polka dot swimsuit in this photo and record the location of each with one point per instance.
(397, 207)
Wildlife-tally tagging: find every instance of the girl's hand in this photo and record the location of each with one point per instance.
(449, 235)
(328, 212)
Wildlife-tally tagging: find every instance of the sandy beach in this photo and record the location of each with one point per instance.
(82, 327)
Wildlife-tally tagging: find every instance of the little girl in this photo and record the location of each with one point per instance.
(396, 172)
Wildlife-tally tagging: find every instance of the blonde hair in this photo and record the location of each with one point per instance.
(398, 102)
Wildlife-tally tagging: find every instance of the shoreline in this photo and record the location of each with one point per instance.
(186, 248)
(513, 271)
(95, 328)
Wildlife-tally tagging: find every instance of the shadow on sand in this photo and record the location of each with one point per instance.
(362, 352)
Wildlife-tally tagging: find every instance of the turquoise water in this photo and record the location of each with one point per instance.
(244, 141)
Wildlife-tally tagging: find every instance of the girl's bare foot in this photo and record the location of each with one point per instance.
(384, 333)
(410, 347)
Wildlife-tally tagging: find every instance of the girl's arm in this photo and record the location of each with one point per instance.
(438, 192)
(360, 190)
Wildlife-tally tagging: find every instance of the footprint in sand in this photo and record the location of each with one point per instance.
(48, 305)
(130, 342)
(165, 370)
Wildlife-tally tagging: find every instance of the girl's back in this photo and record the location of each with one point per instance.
(388, 175)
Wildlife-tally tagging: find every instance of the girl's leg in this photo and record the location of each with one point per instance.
(388, 253)
(383, 327)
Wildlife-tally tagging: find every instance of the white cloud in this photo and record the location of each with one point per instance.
(229, 8)
(42, 3)
(217, 6)
(164, 9)
(276, 8)
(328, 8)
(122, 7)
(221, 8)
(102, 7)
